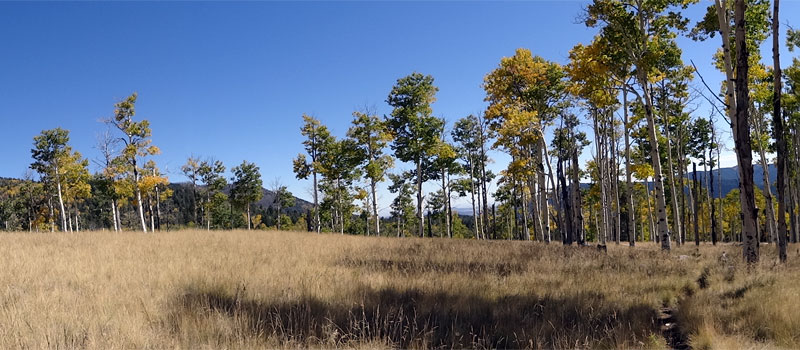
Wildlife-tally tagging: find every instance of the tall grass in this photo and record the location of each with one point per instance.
(240, 289)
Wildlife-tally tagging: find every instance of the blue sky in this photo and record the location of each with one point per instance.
(231, 80)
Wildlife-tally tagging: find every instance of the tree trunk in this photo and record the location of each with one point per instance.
(446, 193)
(716, 225)
(152, 214)
(780, 142)
(660, 201)
(61, 204)
(471, 164)
(555, 196)
(683, 181)
(421, 224)
(742, 140)
(602, 231)
(544, 212)
(526, 235)
(207, 210)
(676, 221)
(614, 172)
(52, 213)
(653, 234)
(693, 200)
(114, 215)
(792, 211)
(317, 222)
(487, 225)
(577, 207)
(479, 205)
(373, 186)
(248, 216)
(724, 29)
(158, 208)
(770, 211)
(696, 207)
(139, 197)
(568, 230)
(194, 201)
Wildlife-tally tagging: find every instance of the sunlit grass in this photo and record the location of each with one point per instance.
(240, 289)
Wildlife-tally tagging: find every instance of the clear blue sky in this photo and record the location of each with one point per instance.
(231, 80)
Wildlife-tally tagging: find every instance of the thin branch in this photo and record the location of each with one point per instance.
(724, 116)
(707, 87)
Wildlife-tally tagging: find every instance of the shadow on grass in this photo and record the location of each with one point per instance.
(502, 269)
(416, 319)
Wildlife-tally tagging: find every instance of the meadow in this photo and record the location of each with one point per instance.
(269, 289)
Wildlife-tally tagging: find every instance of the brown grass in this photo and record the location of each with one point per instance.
(197, 289)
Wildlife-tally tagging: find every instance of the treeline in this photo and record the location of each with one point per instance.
(632, 88)
(629, 85)
(130, 192)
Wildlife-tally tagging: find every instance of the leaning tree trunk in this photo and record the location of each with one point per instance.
(61, 204)
(139, 197)
(661, 204)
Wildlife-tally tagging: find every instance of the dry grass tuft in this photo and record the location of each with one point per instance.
(197, 289)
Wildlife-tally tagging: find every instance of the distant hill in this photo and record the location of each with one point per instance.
(181, 189)
(729, 178)
(300, 206)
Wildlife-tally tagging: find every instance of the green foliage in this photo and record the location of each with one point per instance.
(64, 170)
(411, 123)
(402, 207)
(792, 39)
(137, 134)
(338, 163)
(371, 136)
(317, 139)
(246, 184)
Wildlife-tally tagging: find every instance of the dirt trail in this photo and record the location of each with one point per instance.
(670, 329)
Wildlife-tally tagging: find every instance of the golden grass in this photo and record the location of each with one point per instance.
(239, 289)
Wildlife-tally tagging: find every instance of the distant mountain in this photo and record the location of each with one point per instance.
(729, 178)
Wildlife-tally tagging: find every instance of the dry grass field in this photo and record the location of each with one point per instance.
(197, 289)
